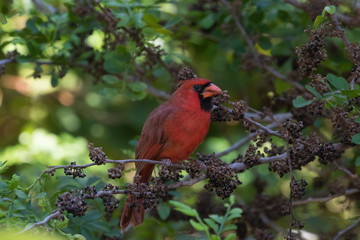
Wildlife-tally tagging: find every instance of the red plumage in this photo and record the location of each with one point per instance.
(172, 131)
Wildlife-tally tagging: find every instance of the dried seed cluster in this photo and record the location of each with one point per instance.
(74, 171)
(116, 172)
(72, 202)
(169, 173)
(186, 73)
(312, 53)
(222, 179)
(96, 154)
(222, 113)
(297, 188)
(291, 130)
(252, 156)
(109, 201)
(194, 168)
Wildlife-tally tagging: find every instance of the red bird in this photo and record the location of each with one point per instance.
(172, 131)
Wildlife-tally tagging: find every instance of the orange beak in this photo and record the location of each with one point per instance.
(211, 90)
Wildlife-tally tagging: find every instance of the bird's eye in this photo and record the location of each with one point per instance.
(197, 87)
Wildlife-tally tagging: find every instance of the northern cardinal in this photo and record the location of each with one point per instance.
(172, 131)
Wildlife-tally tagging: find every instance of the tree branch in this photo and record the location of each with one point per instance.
(254, 53)
(325, 199)
(346, 230)
(54, 215)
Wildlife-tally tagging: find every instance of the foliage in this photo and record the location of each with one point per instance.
(218, 224)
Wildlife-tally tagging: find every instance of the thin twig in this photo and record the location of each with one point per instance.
(346, 230)
(254, 52)
(271, 224)
(54, 215)
(259, 125)
(242, 142)
(292, 179)
(324, 199)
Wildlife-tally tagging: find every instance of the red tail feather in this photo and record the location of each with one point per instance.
(134, 215)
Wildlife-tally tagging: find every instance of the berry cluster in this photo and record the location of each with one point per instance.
(186, 73)
(72, 202)
(116, 172)
(169, 173)
(224, 114)
(96, 154)
(74, 171)
(291, 130)
(252, 156)
(221, 178)
(109, 201)
(327, 153)
(90, 192)
(195, 168)
(312, 53)
(297, 188)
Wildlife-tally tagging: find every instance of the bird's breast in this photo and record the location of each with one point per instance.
(186, 131)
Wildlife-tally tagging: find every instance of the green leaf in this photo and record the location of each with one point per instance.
(351, 93)
(20, 194)
(198, 226)
(137, 86)
(300, 102)
(3, 19)
(357, 162)
(40, 195)
(214, 237)
(357, 120)
(217, 218)
(14, 182)
(330, 9)
(3, 168)
(135, 96)
(312, 90)
(111, 79)
(237, 211)
(229, 227)
(232, 199)
(183, 208)
(338, 82)
(116, 62)
(231, 236)
(18, 205)
(164, 211)
(318, 20)
(207, 22)
(30, 25)
(211, 223)
(265, 43)
(54, 79)
(356, 138)
(257, 17)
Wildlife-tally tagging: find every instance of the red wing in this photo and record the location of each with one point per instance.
(153, 136)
